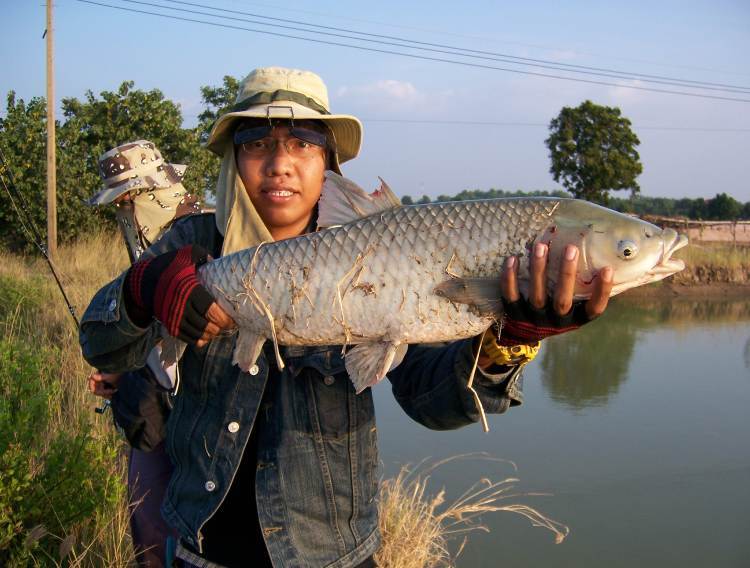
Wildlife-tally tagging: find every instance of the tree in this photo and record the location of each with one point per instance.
(698, 209)
(724, 207)
(23, 141)
(204, 165)
(96, 125)
(91, 127)
(593, 151)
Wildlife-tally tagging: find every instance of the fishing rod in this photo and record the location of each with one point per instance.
(21, 206)
(29, 227)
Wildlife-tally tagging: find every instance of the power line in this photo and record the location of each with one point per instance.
(467, 52)
(428, 121)
(415, 56)
(486, 38)
(542, 125)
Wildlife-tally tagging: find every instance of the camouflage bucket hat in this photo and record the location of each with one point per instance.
(279, 93)
(136, 166)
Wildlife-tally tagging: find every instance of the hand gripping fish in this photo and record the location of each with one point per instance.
(382, 275)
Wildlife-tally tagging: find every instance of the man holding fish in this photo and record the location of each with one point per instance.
(274, 447)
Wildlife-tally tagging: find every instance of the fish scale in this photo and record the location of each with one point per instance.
(374, 278)
(383, 275)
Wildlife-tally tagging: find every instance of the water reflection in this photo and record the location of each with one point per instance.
(587, 367)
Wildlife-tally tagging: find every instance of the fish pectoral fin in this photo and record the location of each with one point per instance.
(171, 350)
(481, 293)
(343, 201)
(368, 363)
(247, 349)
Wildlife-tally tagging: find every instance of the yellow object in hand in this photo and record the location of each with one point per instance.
(508, 355)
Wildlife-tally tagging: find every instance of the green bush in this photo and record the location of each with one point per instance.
(20, 297)
(53, 480)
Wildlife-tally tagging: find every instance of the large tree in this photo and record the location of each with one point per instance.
(724, 207)
(593, 151)
(204, 164)
(23, 141)
(97, 124)
(91, 127)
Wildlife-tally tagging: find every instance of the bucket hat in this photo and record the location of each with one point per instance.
(280, 93)
(135, 166)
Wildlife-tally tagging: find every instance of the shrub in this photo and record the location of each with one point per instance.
(52, 480)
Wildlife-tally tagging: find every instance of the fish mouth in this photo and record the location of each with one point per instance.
(667, 265)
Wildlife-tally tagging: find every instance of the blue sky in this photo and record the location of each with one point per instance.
(689, 146)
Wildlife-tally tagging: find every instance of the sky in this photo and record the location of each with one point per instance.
(433, 127)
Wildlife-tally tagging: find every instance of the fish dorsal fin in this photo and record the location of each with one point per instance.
(343, 201)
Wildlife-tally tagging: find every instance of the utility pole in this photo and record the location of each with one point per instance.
(51, 158)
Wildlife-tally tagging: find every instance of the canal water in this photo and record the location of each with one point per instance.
(636, 426)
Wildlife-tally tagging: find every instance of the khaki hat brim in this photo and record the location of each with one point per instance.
(110, 193)
(346, 129)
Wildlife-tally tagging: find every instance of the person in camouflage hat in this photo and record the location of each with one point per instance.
(149, 196)
(146, 190)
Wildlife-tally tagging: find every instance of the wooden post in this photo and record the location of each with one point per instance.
(51, 157)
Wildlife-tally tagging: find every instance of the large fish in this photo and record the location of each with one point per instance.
(383, 275)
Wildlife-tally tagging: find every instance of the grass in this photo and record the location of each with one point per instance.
(710, 263)
(62, 468)
(417, 526)
(62, 471)
(707, 254)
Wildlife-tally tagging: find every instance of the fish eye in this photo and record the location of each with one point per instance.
(627, 250)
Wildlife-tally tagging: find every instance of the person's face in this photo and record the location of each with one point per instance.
(283, 187)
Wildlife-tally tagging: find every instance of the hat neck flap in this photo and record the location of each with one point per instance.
(236, 217)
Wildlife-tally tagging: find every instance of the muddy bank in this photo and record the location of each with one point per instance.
(712, 279)
(712, 274)
(696, 290)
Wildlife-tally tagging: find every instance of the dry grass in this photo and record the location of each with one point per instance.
(417, 526)
(714, 264)
(43, 316)
(32, 309)
(707, 254)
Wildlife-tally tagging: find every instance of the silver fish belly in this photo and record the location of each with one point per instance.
(374, 279)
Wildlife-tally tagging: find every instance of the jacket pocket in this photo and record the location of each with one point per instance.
(329, 396)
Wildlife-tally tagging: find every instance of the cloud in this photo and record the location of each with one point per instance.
(625, 94)
(562, 55)
(390, 96)
(390, 89)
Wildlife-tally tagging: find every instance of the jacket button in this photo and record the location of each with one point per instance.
(112, 305)
(254, 370)
(233, 427)
(329, 380)
(210, 486)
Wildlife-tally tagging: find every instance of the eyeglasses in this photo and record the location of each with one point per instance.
(303, 143)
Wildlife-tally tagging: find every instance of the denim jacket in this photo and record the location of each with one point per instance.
(316, 477)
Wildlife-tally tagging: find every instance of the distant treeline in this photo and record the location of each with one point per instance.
(722, 207)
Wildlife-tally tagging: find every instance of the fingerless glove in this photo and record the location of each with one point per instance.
(166, 287)
(523, 324)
